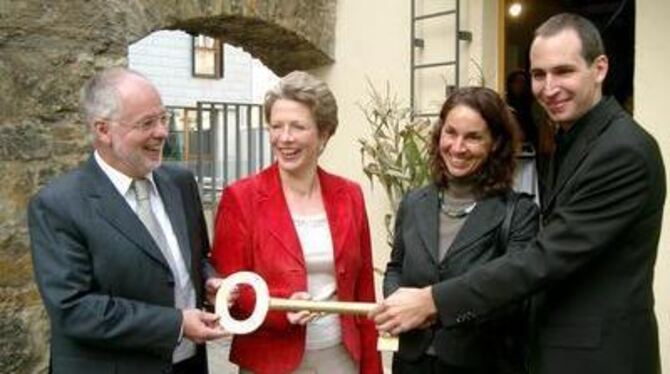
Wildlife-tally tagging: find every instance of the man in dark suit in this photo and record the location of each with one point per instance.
(120, 244)
(591, 267)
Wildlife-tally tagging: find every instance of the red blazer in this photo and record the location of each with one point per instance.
(255, 232)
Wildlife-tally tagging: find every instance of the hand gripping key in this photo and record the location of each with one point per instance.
(264, 303)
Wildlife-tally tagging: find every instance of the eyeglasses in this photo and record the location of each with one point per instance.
(149, 123)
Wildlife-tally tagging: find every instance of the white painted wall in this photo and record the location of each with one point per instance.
(652, 51)
(165, 58)
(262, 79)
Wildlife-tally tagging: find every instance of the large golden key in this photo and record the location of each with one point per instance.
(265, 303)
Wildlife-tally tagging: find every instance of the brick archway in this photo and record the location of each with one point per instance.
(47, 50)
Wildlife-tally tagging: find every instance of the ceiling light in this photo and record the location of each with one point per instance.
(515, 9)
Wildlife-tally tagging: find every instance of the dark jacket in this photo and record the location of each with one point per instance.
(106, 286)
(414, 263)
(593, 261)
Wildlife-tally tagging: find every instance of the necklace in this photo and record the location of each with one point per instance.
(455, 209)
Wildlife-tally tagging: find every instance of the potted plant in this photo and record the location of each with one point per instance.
(395, 154)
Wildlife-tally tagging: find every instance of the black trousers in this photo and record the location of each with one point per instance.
(427, 364)
(193, 365)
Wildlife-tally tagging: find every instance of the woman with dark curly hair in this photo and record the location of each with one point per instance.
(468, 216)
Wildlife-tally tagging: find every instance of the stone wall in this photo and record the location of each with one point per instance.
(47, 50)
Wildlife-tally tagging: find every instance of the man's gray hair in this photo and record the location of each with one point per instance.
(99, 97)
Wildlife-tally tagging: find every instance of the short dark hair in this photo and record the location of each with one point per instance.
(592, 43)
(306, 89)
(497, 173)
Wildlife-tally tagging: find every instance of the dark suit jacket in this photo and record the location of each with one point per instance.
(255, 232)
(105, 284)
(593, 260)
(414, 263)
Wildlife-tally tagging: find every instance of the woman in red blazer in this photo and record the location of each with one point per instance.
(304, 231)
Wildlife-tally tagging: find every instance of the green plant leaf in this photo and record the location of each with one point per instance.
(396, 154)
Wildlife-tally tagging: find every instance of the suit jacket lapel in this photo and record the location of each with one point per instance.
(486, 216)
(596, 121)
(113, 208)
(276, 214)
(549, 181)
(174, 208)
(426, 214)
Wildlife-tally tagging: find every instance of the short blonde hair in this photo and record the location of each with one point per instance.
(306, 89)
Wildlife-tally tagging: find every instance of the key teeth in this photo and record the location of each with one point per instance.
(387, 343)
